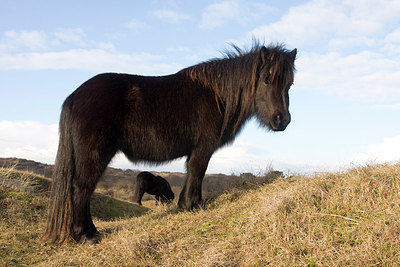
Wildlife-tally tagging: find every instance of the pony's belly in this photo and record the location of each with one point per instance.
(156, 152)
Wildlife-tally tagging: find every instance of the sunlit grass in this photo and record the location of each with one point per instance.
(329, 219)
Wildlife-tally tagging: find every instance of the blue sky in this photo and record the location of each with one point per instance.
(345, 102)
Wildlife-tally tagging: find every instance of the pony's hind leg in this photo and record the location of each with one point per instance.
(139, 192)
(89, 169)
(138, 198)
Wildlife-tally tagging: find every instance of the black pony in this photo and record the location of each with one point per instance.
(146, 182)
(190, 113)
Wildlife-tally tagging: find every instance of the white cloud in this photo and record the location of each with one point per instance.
(346, 48)
(237, 158)
(372, 15)
(393, 37)
(29, 139)
(395, 106)
(178, 48)
(301, 25)
(220, 13)
(170, 15)
(13, 40)
(135, 25)
(69, 36)
(386, 151)
(31, 40)
(366, 75)
(88, 59)
(317, 21)
(107, 47)
(391, 43)
(40, 53)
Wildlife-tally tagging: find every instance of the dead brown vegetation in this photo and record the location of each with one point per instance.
(330, 219)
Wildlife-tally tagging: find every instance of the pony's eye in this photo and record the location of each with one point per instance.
(267, 81)
(268, 77)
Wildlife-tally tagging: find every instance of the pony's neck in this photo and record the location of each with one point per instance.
(224, 76)
(233, 80)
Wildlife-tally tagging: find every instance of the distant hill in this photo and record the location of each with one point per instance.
(43, 169)
(46, 170)
(120, 184)
(115, 182)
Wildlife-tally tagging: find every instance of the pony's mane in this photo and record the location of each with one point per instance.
(229, 78)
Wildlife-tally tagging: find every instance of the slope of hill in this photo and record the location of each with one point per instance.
(23, 209)
(329, 219)
(120, 184)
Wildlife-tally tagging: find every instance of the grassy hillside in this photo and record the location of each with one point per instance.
(329, 219)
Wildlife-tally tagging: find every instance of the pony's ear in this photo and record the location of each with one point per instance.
(293, 54)
(263, 54)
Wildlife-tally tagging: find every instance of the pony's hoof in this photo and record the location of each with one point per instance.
(90, 240)
(198, 205)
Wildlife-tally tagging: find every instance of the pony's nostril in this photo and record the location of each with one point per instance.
(277, 119)
(280, 121)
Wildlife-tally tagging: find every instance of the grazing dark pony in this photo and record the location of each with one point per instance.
(190, 113)
(147, 182)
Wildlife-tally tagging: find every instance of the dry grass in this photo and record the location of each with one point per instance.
(20, 214)
(345, 219)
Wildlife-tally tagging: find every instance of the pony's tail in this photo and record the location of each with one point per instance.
(136, 195)
(60, 210)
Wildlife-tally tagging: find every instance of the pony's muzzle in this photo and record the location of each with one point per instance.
(280, 121)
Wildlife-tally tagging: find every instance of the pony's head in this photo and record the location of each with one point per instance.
(167, 195)
(276, 75)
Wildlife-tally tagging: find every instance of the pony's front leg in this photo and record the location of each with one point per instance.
(190, 197)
